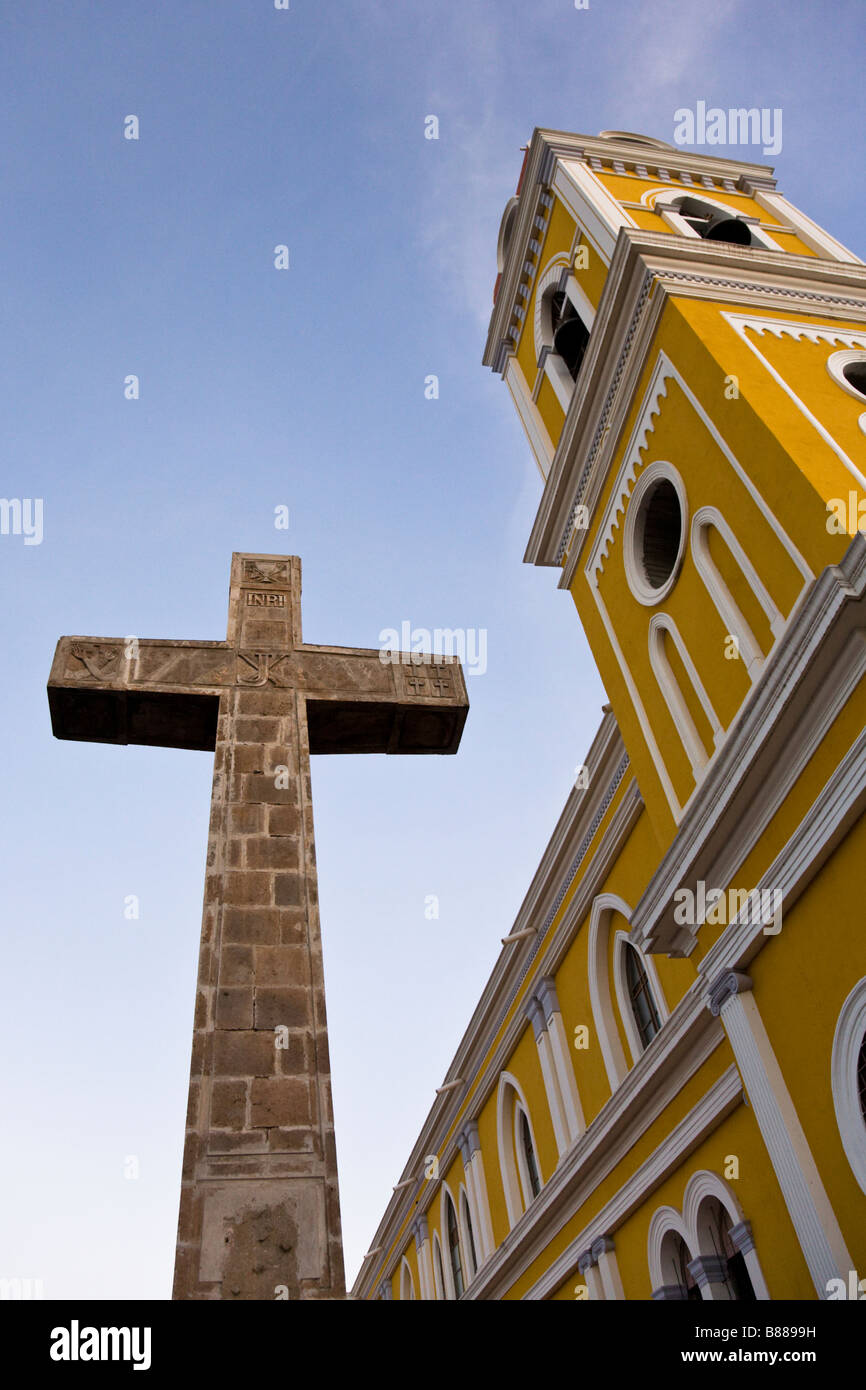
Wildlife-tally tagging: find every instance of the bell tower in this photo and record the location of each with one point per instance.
(686, 351)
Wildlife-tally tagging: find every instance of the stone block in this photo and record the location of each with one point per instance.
(234, 1007)
(283, 1103)
(236, 964)
(244, 1054)
(258, 730)
(247, 887)
(278, 853)
(283, 820)
(228, 1104)
(256, 787)
(288, 890)
(283, 1007)
(258, 926)
(246, 820)
(281, 965)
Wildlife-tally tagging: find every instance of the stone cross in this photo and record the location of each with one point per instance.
(259, 1208)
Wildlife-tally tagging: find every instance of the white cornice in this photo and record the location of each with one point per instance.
(549, 146)
(647, 269)
(718, 1102)
(675, 1055)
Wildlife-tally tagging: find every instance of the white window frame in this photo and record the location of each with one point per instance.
(438, 1267)
(620, 942)
(850, 1028)
(464, 1225)
(515, 1182)
(406, 1280)
(678, 222)
(732, 618)
(555, 369)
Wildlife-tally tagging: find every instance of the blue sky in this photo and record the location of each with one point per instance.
(301, 388)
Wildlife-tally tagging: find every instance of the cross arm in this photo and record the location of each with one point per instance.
(360, 702)
(125, 690)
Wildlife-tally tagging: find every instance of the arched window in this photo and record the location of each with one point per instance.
(407, 1283)
(569, 334)
(848, 370)
(640, 996)
(675, 1260)
(527, 1162)
(563, 319)
(468, 1236)
(522, 1177)
(454, 1246)
(438, 1272)
(736, 1275)
(848, 1079)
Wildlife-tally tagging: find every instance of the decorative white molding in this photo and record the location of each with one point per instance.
(742, 323)
(674, 697)
(654, 473)
(671, 215)
(509, 1095)
(809, 1207)
(534, 427)
(838, 361)
(809, 677)
(827, 821)
(808, 231)
(713, 1107)
(691, 1226)
(621, 941)
(848, 1039)
(521, 1112)
(596, 210)
(750, 649)
(618, 504)
(549, 1077)
(407, 1283)
(473, 1166)
(600, 991)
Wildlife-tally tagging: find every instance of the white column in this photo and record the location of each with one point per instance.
(476, 1185)
(425, 1261)
(591, 1277)
(818, 1232)
(530, 416)
(535, 1013)
(561, 1057)
(602, 1253)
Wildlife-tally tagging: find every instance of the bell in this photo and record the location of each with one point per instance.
(569, 341)
(732, 229)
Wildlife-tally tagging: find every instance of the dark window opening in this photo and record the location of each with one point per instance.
(861, 1078)
(855, 375)
(662, 533)
(454, 1249)
(529, 1154)
(643, 1005)
(570, 333)
(715, 225)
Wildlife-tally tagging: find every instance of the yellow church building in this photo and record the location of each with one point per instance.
(662, 1091)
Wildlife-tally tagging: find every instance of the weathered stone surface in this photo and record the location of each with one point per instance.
(282, 1102)
(234, 1008)
(228, 1104)
(244, 1054)
(283, 1007)
(259, 1205)
(284, 820)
